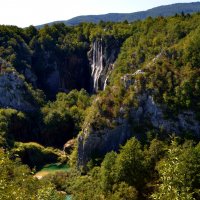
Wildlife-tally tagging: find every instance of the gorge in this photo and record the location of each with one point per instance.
(117, 103)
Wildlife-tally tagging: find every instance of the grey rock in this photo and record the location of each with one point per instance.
(98, 143)
(129, 79)
(92, 143)
(53, 81)
(14, 93)
(148, 109)
(30, 76)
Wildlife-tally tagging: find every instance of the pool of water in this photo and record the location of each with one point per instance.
(55, 167)
(68, 197)
(51, 168)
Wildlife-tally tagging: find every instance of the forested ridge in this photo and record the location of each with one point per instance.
(165, 10)
(126, 94)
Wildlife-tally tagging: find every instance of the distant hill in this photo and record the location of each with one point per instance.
(167, 10)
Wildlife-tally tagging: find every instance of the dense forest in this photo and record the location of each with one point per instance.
(127, 96)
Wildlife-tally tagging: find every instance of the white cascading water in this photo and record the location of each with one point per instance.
(108, 75)
(105, 83)
(97, 63)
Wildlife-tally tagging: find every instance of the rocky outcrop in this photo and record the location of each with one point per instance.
(53, 82)
(98, 143)
(128, 79)
(30, 76)
(75, 72)
(62, 73)
(14, 92)
(184, 122)
(69, 146)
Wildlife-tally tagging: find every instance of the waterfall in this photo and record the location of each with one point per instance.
(110, 69)
(97, 64)
(102, 60)
(105, 82)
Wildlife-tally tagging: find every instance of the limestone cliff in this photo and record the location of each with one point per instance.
(98, 143)
(15, 92)
(88, 68)
(148, 110)
(62, 73)
(92, 143)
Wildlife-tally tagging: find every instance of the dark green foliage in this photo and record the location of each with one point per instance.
(11, 121)
(35, 155)
(178, 172)
(156, 171)
(166, 53)
(57, 122)
(130, 164)
(63, 118)
(108, 171)
(192, 49)
(14, 49)
(16, 182)
(123, 191)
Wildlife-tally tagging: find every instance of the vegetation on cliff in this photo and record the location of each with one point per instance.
(153, 87)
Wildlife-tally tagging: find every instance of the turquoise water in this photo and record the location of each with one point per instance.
(51, 169)
(68, 197)
(55, 167)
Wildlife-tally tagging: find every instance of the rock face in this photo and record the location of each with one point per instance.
(53, 82)
(88, 67)
(128, 79)
(102, 56)
(68, 146)
(14, 92)
(62, 73)
(148, 109)
(99, 143)
(30, 76)
(91, 143)
(75, 72)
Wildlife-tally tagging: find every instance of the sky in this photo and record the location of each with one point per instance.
(23, 13)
